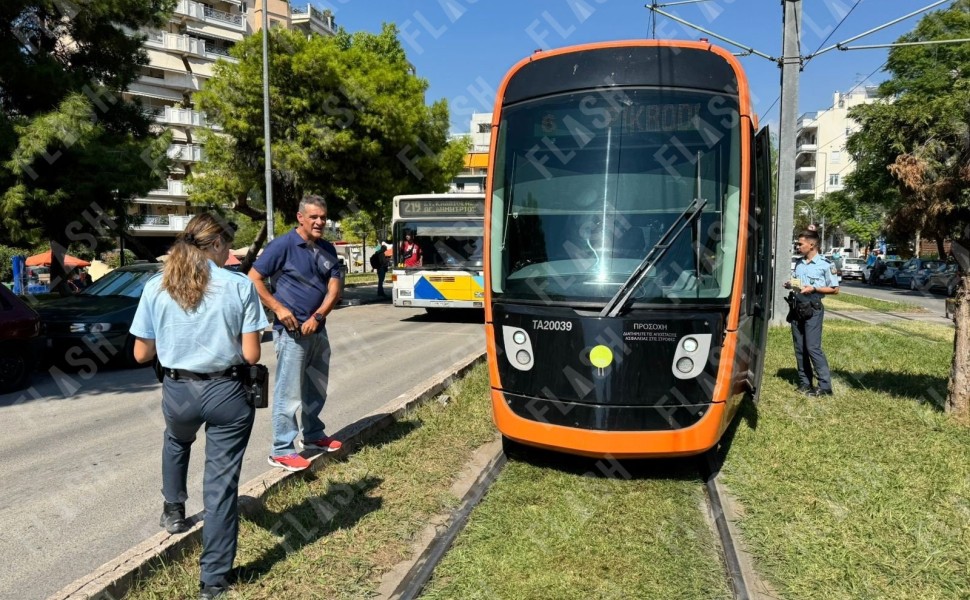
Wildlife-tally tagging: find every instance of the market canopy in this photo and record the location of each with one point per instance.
(44, 260)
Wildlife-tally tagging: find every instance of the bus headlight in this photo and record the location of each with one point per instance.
(523, 357)
(685, 365)
(690, 344)
(519, 337)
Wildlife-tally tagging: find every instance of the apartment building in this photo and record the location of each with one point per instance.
(181, 59)
(472, 176)
(822, 162)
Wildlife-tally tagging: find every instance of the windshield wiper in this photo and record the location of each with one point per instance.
(622, 297)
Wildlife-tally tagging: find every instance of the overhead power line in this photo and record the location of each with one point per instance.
(831, 33)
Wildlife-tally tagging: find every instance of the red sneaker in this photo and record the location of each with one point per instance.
(325, 443)
(290, 462)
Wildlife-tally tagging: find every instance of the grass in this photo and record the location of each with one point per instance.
(848, 302)
(865, 494)
(862, 495)
(557, 532)
(357, 278)
(333, 534)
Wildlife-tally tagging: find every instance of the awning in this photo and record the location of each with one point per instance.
(201, 66)
(44, 259)
(165, 61)
(476, 160)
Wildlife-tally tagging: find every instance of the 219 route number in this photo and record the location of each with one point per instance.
(552, 325)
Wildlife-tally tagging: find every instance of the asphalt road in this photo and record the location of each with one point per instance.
(929, 301)
(80, 453)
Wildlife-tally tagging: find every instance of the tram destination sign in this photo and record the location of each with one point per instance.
(433, 207)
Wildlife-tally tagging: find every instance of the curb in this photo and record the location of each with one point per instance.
(112, 580)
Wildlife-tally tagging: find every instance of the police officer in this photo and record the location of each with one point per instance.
(203, 321)
(816, 278)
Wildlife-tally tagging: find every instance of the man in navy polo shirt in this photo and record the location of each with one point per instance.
(306, 273)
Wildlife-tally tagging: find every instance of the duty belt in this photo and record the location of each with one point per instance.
(231, 373)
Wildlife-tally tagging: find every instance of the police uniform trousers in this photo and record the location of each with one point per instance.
(221, 405)
(807, 337)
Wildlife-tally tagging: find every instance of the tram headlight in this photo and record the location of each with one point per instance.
(685, 365)
(518, 337)
(690, 345)
(523, 357)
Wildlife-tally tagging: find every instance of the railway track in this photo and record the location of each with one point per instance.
(414, 582)
(888, 325)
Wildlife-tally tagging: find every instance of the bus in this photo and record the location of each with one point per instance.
(628, 272)
(444, 269)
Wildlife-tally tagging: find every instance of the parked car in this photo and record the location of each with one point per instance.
(19, 327)
(852, 268)
(884, 273)
(914, 273)
(96, 321)
(945, 278)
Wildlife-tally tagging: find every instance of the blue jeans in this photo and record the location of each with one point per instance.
(302, 374)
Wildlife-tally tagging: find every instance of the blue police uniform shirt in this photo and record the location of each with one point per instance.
(301, 272)
(816, 273)
(207, 339)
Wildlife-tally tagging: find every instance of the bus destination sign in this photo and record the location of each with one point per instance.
(430, 207)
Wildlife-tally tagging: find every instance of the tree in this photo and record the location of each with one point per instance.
(73, 151)
(348, 121)
(862, 221)
(913, 156)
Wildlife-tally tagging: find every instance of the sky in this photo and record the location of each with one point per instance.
(463, 48)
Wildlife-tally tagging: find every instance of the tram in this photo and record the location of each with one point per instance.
(628, 272)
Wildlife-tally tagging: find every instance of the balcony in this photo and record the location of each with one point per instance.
(176, 187)
(162, 223)
(179, 116)
(185, 152)
(207, 14)
(218, 52)
(174, 42)
(804, 191)
(319, 21)
(807, 168)
(806, 146)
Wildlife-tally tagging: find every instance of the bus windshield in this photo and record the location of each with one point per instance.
(445, 245)
(584, 185)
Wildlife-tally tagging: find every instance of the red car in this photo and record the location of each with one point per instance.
(19, 327)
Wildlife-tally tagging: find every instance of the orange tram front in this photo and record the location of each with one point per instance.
(628, 249)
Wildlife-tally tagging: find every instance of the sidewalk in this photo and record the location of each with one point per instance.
(365, 293)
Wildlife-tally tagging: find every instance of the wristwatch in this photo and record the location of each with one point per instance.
(318, 317)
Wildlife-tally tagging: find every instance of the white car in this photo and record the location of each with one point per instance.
(852, 268)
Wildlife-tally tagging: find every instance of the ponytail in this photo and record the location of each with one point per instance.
(186, 273)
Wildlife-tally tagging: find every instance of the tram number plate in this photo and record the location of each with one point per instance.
(552, 325)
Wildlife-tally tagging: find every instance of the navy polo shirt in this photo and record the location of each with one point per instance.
(301, 272)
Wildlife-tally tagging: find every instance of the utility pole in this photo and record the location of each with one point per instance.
(791, 63)
(267, 152)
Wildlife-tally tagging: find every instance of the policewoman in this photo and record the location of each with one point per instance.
(816, 277)
(202, 321)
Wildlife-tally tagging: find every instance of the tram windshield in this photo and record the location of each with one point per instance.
(585, 184)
